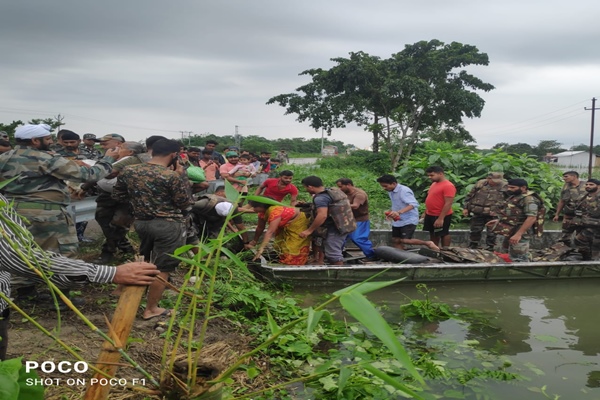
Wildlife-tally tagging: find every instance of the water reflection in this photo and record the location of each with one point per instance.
(548, 329)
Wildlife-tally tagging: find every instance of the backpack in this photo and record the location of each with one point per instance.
(538, 226)
(556, 252)
(340, 211)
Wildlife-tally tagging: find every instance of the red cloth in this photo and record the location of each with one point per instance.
(435, 197)
(272, 191)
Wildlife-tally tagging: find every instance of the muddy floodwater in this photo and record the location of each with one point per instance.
(550, 329)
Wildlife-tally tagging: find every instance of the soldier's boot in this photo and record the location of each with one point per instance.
(473, 245)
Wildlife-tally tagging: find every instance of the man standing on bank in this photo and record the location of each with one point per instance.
(438, 206)
(482, 204)
(572, 192)
(160, 197)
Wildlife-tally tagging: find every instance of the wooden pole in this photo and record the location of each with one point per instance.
(122, 321)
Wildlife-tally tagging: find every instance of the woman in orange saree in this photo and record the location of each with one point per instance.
(285, 224)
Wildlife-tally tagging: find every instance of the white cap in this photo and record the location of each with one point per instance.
(223, 208)
(32, 131)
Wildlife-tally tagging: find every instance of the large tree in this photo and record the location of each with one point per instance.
(397, 99)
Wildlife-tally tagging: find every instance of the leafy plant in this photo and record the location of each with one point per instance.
(464, 167)
(14, 382)
(428, 308)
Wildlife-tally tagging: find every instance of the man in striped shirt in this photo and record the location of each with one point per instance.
(17, 244)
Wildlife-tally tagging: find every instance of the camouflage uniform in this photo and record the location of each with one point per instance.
(41, 194)
(71, 155)
(513, 214)
(160, 199)
(482, 202)
(90, 154)
(589, 223)
(112, 215)
(571, 196)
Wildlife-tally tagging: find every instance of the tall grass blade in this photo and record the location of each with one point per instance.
(360, 308)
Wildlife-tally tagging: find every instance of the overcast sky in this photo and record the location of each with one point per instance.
(153, 67)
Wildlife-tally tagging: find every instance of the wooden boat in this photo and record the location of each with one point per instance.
(436, 271)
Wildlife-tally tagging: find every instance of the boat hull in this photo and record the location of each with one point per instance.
(312, 275)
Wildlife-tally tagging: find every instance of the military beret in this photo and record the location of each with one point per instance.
(70, 135)
(596, 181)
(518, 182)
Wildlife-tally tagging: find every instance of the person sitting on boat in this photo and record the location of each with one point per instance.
(587, 218)
(286, 224)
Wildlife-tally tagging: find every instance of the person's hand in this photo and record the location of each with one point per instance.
(179, 168)
(81, 163)
(491, 223)
(305, 233)
(516, 238)
(114, 153)
(438, 223)
(465, 212)
(555, 219)
(136, 273)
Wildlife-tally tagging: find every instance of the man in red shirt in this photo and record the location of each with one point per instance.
(278, 188)
(438, 206)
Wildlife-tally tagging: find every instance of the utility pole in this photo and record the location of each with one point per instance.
(59, 121)
(189, 135)
(591, 163)
(236, 136)
(322, 139)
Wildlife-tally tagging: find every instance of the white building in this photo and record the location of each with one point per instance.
(574, 160)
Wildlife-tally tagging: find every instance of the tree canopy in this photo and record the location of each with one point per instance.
(422, 88)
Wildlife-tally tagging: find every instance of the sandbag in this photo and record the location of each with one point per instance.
(392, 254)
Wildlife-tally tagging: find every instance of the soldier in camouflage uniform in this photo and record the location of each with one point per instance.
(587, 217)
(88, 147)
(482, 204)
(71, 151)
(160, 197)
(114, 216)
(572, 192)
(517, 215)
(40, 192)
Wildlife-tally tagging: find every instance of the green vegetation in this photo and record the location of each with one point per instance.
(463, 166)
(423, 90)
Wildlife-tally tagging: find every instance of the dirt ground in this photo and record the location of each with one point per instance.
(223, 340)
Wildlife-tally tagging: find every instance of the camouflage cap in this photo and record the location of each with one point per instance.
(3, 135)
(496, 175)
(90, 136)
(112, 136)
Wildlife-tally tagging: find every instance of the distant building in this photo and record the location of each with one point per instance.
(573, 160)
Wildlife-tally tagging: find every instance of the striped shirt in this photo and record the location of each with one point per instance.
(66, 272)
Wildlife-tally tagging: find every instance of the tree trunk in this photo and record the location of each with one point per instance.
(375, 135)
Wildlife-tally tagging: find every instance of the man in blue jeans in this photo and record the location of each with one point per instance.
(359, 201)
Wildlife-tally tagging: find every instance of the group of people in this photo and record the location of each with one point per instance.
(147, 187)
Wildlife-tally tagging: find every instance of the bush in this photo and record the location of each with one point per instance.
(464, 167)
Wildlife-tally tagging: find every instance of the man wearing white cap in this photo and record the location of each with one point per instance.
(40, 193)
